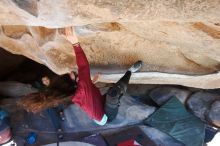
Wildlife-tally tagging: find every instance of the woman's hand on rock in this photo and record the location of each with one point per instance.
(70, 35)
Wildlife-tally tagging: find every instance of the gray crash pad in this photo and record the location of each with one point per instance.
(130, 112)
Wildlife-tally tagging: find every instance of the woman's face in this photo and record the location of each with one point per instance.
(46, 81)
(72, 75)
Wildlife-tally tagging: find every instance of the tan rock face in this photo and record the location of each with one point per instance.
(181, 37)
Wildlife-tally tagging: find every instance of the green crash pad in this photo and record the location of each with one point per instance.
(173, 119)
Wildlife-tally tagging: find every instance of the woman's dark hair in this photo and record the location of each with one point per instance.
(62, 83)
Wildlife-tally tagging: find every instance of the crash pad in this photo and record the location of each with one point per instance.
(133, 136)
(70, 143)
(173, 119)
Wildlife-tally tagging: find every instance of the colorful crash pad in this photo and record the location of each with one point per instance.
(133, 136)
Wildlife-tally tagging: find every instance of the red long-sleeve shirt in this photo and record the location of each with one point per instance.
(87, 95)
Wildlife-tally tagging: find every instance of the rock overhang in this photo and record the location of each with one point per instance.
(171, 37)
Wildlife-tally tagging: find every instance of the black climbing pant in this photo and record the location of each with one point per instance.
(113, 96)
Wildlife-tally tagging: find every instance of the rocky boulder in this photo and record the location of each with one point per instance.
(179, 39)
(214, 113)
(161, 95)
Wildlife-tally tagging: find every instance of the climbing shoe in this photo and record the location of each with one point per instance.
(136, 66)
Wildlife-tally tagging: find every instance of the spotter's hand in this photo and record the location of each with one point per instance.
(96, 78)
